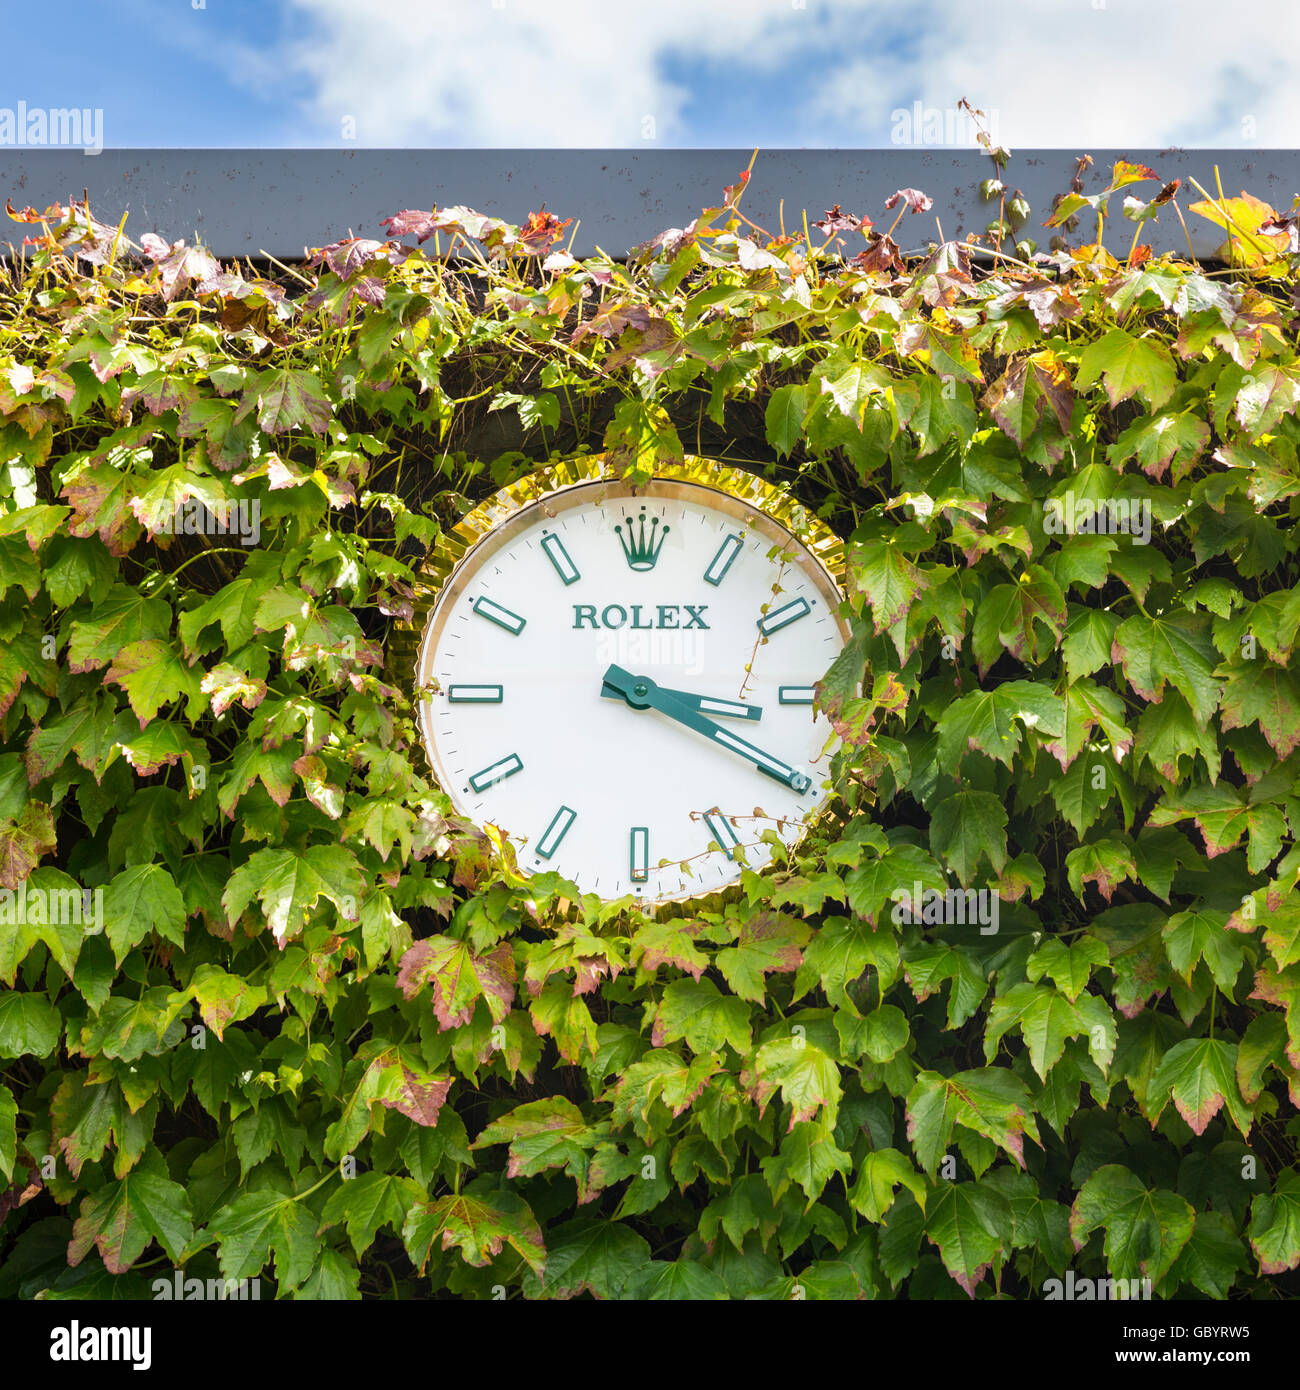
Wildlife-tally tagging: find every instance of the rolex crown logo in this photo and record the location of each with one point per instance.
(639, 546)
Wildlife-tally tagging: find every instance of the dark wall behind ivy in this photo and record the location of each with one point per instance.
(327, 1036)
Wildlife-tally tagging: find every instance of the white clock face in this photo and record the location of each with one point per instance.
(623, 685)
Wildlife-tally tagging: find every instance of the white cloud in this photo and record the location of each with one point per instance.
(535, 72)
(1067, 74)
(547, 73)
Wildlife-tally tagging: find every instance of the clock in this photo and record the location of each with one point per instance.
(621, 678)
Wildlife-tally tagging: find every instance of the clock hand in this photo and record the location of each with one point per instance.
(640, 693)
(701, 704)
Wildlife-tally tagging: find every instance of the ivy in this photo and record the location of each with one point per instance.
(1028, 1002)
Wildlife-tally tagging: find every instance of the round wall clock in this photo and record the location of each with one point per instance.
(621, 678)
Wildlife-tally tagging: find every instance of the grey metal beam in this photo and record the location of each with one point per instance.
(243, 202)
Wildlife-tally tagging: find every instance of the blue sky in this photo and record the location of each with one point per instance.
(668, 73)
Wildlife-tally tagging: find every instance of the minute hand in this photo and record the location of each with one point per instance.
(640, 692)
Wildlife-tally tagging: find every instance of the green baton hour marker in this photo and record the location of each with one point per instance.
(722, 832)
(502, 617)
(796, 694)
(785, 615)
(639, 857)
(496, 772)
(559, 558)
(722, 561)
(555, 832)
(476, 694)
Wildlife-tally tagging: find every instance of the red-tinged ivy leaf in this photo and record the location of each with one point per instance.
(1176, 648)
(1011, 616)
(1274, 1231)
(458, 978)
(916, 200)
(967, 827)
(1145, 1228)
(1046, 1019)
(971, 1224)
(288, 398)
(768, 942)
(657, 944)
(121, 1218)
(560, 1014)
(84, 1116)
(1167, 734)
(225, 684)
(1022, 395)
(415, 1092)
(345, 258)
(1024, 874)
(882, 256)
(223, 998)
(160, 391)
(991, 1101)
(1161, 442)
(987, 721)
(100, 497)
(274, 769)
(255, 1227)
(288, 885)
(599, 1257)
(546, 1134)
(24, 842)
(1191, 937)
(129, 1029)
(141, 899)
(153, 675)
(660, 1076)
(1223, 816)
(1201, 1075)
(29, 1024)
(369, 1201)
(480, 1222)
(1107, 862)
(1267, 394)
(809, 1079)
(37, 524)
(1270, 698)
(90, 728)
(1087, 706)
(181, 267)
(122, 617)
(1126, 365)
(699, 1013)
(23, 658)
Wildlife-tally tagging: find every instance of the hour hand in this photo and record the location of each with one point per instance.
(712, 705)
(641, 693)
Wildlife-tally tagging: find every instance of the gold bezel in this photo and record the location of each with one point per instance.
(447, 565)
